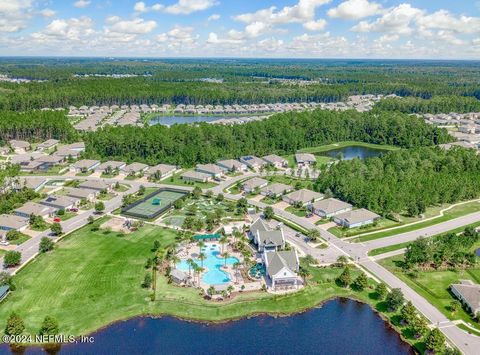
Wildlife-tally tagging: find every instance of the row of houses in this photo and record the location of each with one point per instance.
(208, 172)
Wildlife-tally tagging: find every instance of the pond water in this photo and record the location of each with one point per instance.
(353, 151)
(171, 120)
(339, 327)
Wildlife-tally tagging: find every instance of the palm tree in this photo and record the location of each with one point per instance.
(225, 257)
(190, 265)
(223, 240)
(304, 273)
(200, 245)
(175, 260)
(211, 291)
(236, 266)
(230, 289)
(201, 257)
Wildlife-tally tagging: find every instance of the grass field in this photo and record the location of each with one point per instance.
(382, 223)
(93, 278)
(453, 213)
(434, 286)
(177, 180)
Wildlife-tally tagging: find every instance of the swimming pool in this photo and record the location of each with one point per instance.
(214, 274)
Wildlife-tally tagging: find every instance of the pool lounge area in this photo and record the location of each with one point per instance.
(214, 274)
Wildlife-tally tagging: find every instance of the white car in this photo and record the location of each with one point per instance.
(4, 243)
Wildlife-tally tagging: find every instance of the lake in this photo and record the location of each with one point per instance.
(354, 151)
(340, 326)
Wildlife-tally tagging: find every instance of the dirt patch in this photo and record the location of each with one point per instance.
(116, 224)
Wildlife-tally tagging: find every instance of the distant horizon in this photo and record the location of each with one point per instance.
(373, 29)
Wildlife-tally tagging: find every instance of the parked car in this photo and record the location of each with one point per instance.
(73, 209)
(4, 243)
(57, 220)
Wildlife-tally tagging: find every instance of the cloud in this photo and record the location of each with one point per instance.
(355, 9)
(444, 20)
(397, 20)
(141, 7)
(136, 26)
(315, 25)
(81, 4)
(186, 7)
(178, 35)
(65, 31)
(48, 13)
(14, 14)
(214, 17)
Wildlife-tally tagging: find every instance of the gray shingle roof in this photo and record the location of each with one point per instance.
(276, 261)
(357, 216)
(331, 205)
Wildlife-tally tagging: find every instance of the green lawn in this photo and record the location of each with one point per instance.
(326, 148)
(93, 278)
(434, 286)
(453, 213)
(122, 188)
(55, 170)
(106, 197)
(177, 180)
(292, 181)
(67, 215)
(20, 240)
(299, 212)
(389, 248)
(87, 173)
(350, 232)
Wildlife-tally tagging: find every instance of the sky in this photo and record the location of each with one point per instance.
(420, 29)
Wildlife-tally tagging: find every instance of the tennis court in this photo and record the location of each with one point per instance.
(154, 204)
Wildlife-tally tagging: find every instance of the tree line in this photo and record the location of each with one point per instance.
(405, 181)
(35, 126)
(436, 104)
(187, 145)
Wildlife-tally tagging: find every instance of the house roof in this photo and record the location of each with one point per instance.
(60, 201)
(276, 261)
(13, 222)
(258, 225)
(254, 182)
(231, 164)
(330, 205)
(470, 293)
(94, 185)
(252, 160)
(32, 182)
(78, 192)
(277, 188)
(270, 238)
(357, 216)
(178, 274)
(304, 195)
(135, 167)
(162, 168)
(48, 143)
(26, 158)
(85, 163)
(112, 164)
(209, 168)
(19, 144)
(34, 208)
(305, 157)
(273, 158)
(196, 175)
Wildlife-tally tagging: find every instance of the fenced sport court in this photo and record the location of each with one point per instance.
(154, 204)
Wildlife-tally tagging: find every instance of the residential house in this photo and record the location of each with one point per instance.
(4, 151)
(60, 202)
(162, 170)
(34, 183)
(232, 165)
(356, 218)
(25, 159)
(282, 268)
(82, 194)
(97, 185)
(32, 208)
(19, 147)
(196, 176)
(469, 294)
(73, 150)
(276, 190)
(12, 222)
(84, 165)
(256, 226)
(305, 159)
(302, 197)
(253, 162)
(269, 240)
(210, 169)
(330, 207)
(135, 169)
(110, 166)
(276, 161)
(253, 184)
(48, 144)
